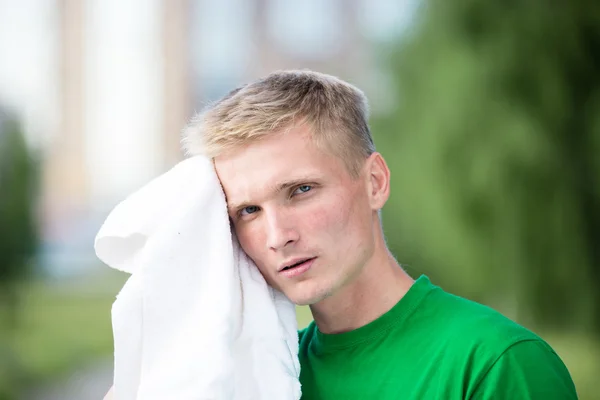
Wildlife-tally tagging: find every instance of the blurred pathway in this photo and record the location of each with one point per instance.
(90, 383)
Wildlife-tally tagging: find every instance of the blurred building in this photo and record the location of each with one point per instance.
(116, 81)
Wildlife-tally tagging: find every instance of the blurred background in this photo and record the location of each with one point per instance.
(487, 112)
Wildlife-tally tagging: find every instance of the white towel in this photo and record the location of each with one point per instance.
(196, 319)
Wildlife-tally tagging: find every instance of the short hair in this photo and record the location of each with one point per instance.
(336, 111)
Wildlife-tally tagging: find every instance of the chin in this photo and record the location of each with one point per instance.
(306, 296)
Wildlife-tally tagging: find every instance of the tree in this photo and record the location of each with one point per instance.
(18, 230)
(18, 242)
(495, 154)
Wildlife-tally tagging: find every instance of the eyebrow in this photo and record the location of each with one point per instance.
(280, 187)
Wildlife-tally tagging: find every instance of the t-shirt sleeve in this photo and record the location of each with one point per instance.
(527, 370)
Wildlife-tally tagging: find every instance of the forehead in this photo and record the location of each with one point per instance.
(255, 170)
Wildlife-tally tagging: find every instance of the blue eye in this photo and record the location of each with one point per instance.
(303, 189)
(249, 210)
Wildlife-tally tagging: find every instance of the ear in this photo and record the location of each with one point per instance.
(377, 174)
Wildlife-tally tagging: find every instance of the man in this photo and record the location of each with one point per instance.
(304, 188)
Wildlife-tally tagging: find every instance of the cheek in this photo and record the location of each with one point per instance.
(346, 222)
(331, 218)
(251, 240)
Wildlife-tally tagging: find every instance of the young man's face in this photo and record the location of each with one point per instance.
(292, 203)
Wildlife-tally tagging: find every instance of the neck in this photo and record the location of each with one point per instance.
(380, 285)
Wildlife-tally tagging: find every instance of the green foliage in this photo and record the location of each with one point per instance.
(18, 242)
(494, 151)
(18, 182)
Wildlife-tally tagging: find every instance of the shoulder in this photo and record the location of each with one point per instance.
(468, 323)
(502, 358)
(528, 369)
(464, 321)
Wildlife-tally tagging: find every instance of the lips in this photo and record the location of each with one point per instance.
(295, 263)
(296, 268)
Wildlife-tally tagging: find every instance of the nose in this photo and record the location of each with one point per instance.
(280, 230)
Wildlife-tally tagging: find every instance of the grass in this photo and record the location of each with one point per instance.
(59, 329)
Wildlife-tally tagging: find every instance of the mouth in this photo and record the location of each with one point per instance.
(297, 267)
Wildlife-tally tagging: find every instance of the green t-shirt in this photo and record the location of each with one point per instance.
(432, 345)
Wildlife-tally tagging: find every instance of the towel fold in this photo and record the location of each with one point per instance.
(196, 319)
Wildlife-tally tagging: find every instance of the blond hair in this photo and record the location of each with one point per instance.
(336, 111)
